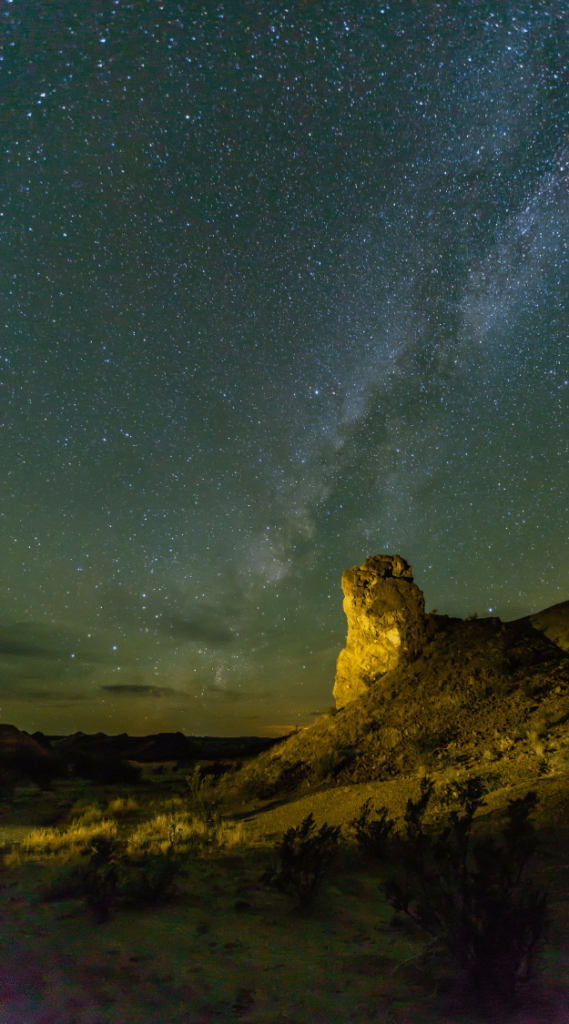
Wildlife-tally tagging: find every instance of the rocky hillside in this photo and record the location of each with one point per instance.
(554, 622)
(478, 691)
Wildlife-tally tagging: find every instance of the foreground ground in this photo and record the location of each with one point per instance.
(229, 947)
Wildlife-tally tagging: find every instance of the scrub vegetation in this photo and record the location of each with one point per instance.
(483, 924)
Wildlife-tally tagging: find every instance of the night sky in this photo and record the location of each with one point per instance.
(282, 287)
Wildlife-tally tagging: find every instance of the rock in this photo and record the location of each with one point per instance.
(386, 623)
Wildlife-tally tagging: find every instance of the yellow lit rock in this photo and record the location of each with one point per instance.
(386, 620)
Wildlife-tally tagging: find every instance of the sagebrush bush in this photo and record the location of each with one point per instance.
(99, 877)
(110, 874)
(472, 900)
(150, 877)
(303, 853)
(372, 835)
(65, 883)
(255, 787)
(206, 794)
(330, 764)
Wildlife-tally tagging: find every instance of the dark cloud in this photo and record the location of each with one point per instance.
(35, 640)
(199, 630)
(229, 693)
(42, 672)
(140, 689)
(15, 647)
(47, 695)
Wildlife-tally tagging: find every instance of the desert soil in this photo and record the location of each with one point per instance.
(229, 948)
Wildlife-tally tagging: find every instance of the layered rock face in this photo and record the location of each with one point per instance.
(386, 623)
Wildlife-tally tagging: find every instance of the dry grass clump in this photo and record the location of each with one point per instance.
(122, 806)
(188, 832)
(534, 740)
(173, 803)
(59, 844)
(86, 814)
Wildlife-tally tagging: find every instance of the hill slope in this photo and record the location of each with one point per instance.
(478, 689)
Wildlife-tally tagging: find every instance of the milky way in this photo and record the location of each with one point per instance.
(282, 288)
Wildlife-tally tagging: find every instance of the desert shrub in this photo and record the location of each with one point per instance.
(303, 854)
(194, 781)
(331, 763)
(486, 918)
(150, 876)
(205, 794)
(290, 776)
(99, 878)
(208, 801)
(423, 744)
(372, 835)
(65, 883)
(256, 787)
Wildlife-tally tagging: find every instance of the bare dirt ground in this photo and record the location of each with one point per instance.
(229, 948)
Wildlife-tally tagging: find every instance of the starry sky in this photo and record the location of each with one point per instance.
(282, 287)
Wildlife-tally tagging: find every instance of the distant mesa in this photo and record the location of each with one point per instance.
(24, 755)
(15, 745)
(164, 746)
(387, 624)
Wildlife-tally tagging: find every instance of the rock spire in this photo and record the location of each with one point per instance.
(386, 623)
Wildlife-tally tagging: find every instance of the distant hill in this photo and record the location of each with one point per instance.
(554, 622)
(164, 746)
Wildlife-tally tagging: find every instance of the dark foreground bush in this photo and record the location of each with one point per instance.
(372, 835)
(303, 854)
(151, 877)
(100, 876)
(107, 878)
(206, 794)
(474, 903)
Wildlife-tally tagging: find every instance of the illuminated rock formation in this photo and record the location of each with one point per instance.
(386, 623)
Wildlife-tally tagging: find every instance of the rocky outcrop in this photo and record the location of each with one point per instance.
(386, 623)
